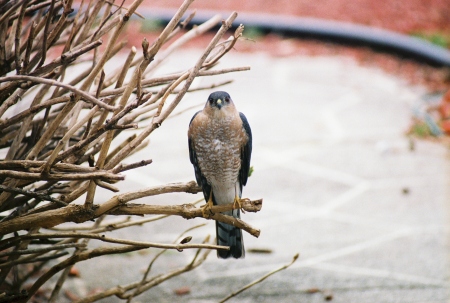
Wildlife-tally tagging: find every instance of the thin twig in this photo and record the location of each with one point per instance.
(67, 57)
(260, 279)
(138, 289)
(84, 95)
(40, 250)
(17, 38)
(103, 238)
(172, 77)
(60, 176)
(122, 167)
(46, 34)
(196, 31)
(36, 195)
(30, 41)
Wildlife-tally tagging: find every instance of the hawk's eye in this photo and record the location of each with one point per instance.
(227, 99)
(211, 100)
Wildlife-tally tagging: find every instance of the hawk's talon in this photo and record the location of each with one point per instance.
(207, 207)
(237, 203)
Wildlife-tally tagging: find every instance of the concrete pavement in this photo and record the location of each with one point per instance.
(340, 182)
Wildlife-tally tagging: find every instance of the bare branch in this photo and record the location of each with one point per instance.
(37, 195)
(188, 211)
(103, 238)
(60, 177)
(17, 38)
(40, 250)
(84, 95)
(78, 214)
(122, 167)
(140, 286)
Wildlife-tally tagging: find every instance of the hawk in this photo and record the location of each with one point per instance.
(220, 147)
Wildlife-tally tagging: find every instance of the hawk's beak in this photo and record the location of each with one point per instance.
(219, 103)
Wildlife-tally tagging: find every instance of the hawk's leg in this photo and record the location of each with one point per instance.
(207, 207)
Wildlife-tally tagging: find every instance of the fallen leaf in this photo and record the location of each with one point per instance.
(185, 290)
(74, 272)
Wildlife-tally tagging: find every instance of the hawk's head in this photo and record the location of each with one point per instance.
(219, 100)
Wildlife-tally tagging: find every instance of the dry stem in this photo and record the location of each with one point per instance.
(259, 280)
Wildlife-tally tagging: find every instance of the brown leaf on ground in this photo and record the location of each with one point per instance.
(185, 290)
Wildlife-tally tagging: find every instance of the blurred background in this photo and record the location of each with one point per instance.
(427, 20)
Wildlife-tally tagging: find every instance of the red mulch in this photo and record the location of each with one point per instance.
(398, 15)
(408, 17)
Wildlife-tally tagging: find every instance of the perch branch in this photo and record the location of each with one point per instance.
(189, 211)
(78, 214)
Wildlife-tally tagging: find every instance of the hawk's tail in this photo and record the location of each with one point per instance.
(228, 235)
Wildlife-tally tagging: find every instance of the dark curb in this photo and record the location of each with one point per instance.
(327, 30)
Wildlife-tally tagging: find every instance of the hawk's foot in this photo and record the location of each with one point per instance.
(237, 203)
(206, 209)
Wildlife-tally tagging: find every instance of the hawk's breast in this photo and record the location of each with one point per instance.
(218, 146)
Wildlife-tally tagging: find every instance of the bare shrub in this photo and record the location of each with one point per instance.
(58, 147)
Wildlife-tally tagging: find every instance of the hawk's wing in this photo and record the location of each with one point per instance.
(246, 152)
(201, 180)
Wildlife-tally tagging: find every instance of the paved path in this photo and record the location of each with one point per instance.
(341, 186)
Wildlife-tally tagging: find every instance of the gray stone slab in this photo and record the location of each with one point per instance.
(332, 164)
